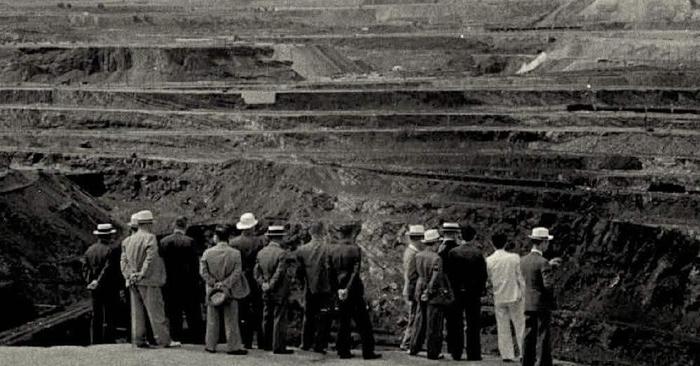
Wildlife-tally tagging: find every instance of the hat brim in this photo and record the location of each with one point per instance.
(275, 234)
(433, 241)
(549, 237)
(242, 226)
(149, 221)
(113, 231)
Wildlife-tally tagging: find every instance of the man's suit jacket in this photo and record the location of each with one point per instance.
(222, 264)
(410, 275)
(271, 267)
(314, 266)
(506, 277)
(432, 279)
(466, 270)
(539, 283)
(140, 255)
(101, 264)
(180, 257)
(249, 246)
(345, 269)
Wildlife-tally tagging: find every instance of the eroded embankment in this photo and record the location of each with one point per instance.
(624, 285)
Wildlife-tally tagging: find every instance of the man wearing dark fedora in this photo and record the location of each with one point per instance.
(182, 269)
(249, 244)
(102, 274)
(539, 300)
(222, 271)
(346, 258)
(272, 274)
(433, 294)
(466, 271)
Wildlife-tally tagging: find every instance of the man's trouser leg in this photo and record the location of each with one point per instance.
(111, 312)
(138, 317)
(406, 341)
(311, 313)
(342, 343)
(364, 325)
(517, 316)
(173, 309)
(420, 328)
(268, 325)
(193, 314)
(98, 317)
(231, 326)
(244, 321)
(279, 332)
(153, 299)
(436, 320)
(544, 342)
(211, 339)
(324, 318)
(505, 337)
(530, 339)
(455, 329)
(473, 332)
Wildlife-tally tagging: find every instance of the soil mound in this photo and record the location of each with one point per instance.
(47, 223)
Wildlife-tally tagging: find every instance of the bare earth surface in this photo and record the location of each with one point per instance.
(125, 355)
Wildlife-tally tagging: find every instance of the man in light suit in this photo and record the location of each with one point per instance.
(222, 271)
(271, 273)
(508, 290)
(413, 247)
(434, 294)
(144, 272)
(539, 300)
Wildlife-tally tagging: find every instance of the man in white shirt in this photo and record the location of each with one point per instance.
(508, 289)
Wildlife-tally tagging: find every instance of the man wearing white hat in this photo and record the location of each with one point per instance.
(539, 300)
(434, 294)
(272, 274)
(250, 307)
(144, 272)
(410, 277)
(101, 272)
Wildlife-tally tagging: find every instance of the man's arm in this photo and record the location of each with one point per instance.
(151, 253)
(355, 270)
(547, 276)
(437, 270)
(279, 271)
(127, 269)
(258, 273)
(237, 271)
(204, 271)
(482, 273)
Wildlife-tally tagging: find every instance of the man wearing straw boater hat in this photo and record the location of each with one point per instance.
(222, 271)
(539, 300)
(249, 244)
(410, 276)
(272, 274)
(101, 272)
(144, 272)
(433, 294)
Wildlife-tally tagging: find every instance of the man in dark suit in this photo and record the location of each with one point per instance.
(466, 270)
(103, 276)
(182, 287)
(313, 260)
(539, 300)
(346, 258)
(433, 293)
(251, 307)
(271, 274)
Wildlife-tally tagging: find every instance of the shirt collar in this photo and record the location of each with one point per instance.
(179, 231)
(536, 251)
(413, 247)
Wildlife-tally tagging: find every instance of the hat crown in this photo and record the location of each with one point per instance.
(450, 226)
(144, 216)
(275, 230)
(540, 232)
(133, 221)
(247, 221)
(431, 236)
(416, 230)
(104, 227)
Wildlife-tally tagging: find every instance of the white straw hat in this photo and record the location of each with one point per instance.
(541, 233)
(247, 221)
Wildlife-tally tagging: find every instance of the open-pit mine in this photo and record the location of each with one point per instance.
(582, 116)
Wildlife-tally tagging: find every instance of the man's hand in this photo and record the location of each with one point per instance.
(265, 286)
(135, 278)
(218, 286)
(555, 262)
(343, 295)
(424, 297)
(92, 285)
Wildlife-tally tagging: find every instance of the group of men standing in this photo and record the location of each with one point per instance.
(445, 278)
(247, 278)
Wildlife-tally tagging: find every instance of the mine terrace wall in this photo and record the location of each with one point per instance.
(350, 99)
